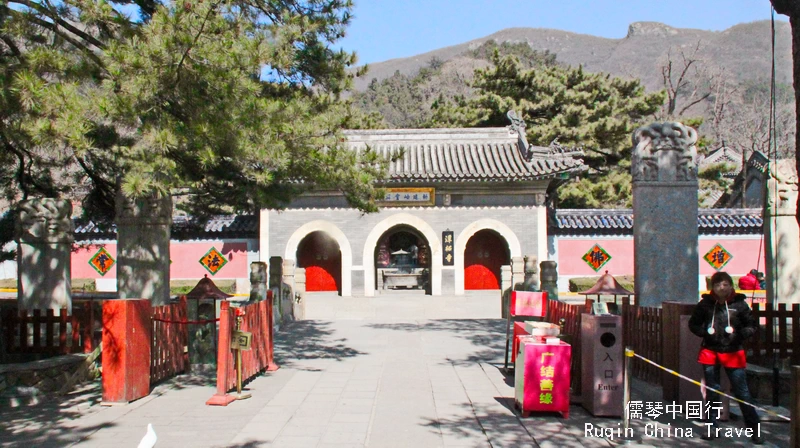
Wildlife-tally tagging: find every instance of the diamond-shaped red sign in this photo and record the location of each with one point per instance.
(213, 261)
(102, 261)
(596, 257)
(717, 257)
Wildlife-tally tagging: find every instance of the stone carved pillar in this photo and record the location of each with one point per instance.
(517, 273)
(548, 275)
(143, 234)
(782, 234)
(258, 281)
(44, 275)
(283, 303)
(505, 288)
(298, 304)
(664, 171)
(531, 274)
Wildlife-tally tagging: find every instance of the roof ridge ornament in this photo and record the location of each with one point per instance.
(518, 126)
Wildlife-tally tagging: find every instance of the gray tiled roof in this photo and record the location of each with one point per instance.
(620, 222)
(723, 155)
(183, 228)
(472, 154)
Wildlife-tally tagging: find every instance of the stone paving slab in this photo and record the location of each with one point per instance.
(417, 372)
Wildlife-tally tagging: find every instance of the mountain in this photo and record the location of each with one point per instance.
(743, 50)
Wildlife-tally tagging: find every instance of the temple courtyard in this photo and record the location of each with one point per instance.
(395, 370)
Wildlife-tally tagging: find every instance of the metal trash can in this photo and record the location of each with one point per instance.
(602, 365)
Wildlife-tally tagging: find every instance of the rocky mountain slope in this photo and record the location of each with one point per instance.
(743, 51)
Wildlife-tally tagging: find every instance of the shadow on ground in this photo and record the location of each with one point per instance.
(310, 339)
(49, 423)
(487, 335)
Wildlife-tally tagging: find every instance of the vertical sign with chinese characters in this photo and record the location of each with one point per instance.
(448, 257)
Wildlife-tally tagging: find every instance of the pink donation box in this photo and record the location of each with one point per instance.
(541, 376)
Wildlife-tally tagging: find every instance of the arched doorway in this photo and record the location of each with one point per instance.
(321, 257)
(486, 251)
(402, 260)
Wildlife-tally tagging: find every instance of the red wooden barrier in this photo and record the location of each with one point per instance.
(126, 349)
(256, 318)
(168, 353)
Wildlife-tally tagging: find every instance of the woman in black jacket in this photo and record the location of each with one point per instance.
(724, 320)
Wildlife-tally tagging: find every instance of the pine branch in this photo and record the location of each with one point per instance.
(57, 31)
(185, 54)
(62, 23)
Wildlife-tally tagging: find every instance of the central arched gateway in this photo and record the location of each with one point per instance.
(419, 225)
(321, 257)
(402, 260)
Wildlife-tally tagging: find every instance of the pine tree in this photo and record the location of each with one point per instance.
(235, 104)
(568, 105)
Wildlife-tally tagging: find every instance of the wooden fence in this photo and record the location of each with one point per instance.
(572, 327)
(647, 329)
(642, 331)
(778, 335)
(169, 354)
(48, 333)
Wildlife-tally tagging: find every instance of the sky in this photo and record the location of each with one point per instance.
(388, 29)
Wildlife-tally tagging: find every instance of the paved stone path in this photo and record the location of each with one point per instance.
(397, 370)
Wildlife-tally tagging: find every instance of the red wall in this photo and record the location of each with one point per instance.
(745, 254)
(185, 260)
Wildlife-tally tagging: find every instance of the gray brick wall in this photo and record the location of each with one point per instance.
(521, 220)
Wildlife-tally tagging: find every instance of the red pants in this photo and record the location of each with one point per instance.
(732, 360)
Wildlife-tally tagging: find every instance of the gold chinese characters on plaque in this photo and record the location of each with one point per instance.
(408, 197)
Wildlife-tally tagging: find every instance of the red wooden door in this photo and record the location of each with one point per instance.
(322, 261)
(485, 253)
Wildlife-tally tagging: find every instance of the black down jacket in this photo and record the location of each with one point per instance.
(741, 319)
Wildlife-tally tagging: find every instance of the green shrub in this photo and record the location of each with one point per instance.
(579, 284)
(83, 285)
(734, 277)
(181, 287)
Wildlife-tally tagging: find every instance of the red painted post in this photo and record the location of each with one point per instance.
(126, 350)
(221, 398)
(271, 366)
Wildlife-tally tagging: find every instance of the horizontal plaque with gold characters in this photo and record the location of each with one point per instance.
(241, 340)
(408, 197)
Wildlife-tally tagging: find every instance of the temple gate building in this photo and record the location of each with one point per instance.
(460, 204)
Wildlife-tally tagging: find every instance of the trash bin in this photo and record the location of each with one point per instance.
(602, 365)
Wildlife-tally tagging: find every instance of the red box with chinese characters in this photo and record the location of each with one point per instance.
(541, 376)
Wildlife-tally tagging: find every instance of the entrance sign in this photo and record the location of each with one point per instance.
(448, 255)
(408, 197)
